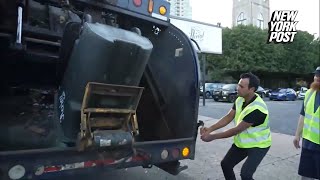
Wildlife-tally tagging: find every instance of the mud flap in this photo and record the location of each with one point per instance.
(172, 167)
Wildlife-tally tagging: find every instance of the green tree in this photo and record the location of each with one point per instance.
(299, 55)
(245, 48)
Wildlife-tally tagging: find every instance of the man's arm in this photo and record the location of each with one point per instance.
(300, 122)
(302, 110)
(296, 140)
(254, 118)
(223, 121)
(233, 131)
(300, 126)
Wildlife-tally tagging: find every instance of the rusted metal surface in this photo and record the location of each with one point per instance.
(108, 110)
(116, 112)
(105, 122)
(135, 127)
(41, 41)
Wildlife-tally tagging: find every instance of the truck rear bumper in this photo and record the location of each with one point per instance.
(46, 163)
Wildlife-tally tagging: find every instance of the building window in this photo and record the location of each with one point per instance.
(241, 19)
(260, 21)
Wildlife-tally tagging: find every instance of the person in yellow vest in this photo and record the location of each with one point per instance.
(252, 136)
(309, 129)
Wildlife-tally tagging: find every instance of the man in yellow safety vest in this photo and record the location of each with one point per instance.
(252, 136)
(309, 129)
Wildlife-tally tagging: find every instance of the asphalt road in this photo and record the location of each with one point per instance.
(283, 115)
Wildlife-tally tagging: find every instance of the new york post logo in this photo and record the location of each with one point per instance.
(282, 27)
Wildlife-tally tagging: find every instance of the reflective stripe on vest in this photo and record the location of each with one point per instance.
(311, 128)
(258, 136)
(256, 103)
(255, 129)
(257, 139)
(315, 119)
(315, 130)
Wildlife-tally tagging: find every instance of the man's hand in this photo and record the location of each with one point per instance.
(204, 130)
(207, 137)
(296, 141)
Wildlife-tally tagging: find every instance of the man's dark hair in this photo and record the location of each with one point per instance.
(254, 81)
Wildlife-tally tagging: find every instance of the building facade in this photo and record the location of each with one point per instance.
(181, 8)
(255, 12)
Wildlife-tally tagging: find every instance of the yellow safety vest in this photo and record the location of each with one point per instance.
(259, 136)
(311, 128)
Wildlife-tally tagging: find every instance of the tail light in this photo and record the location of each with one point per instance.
(137, 2)
(150, 6)
(175, 153)
(185, 152)
(162, 10)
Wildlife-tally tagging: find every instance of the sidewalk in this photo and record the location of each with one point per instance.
(280, 163)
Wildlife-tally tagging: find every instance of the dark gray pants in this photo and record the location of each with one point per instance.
(236, 155)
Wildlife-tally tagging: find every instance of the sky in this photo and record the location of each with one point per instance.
(214, 11)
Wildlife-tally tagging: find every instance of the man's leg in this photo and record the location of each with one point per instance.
(255, 156)
(232, 158)
(309, 165)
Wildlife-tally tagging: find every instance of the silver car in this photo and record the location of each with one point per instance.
(302, 92)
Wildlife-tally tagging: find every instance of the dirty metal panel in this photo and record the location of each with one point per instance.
(98, 92)
(107, 110)
(106, 122)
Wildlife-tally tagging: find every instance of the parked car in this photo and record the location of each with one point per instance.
(267, 91)
(302, 92)
(284, 94)
(227, 93)
(210, 88)
(261, 92)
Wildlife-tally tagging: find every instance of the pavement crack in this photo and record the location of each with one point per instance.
(281, 159)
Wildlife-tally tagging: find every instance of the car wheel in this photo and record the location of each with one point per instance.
(232, 98)
(208, 95)
(216, 99)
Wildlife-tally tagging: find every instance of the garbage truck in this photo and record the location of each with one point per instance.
(94, 84)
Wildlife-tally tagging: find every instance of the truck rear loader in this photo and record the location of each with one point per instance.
(94, 84)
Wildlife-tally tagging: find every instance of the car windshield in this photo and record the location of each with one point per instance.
(229, 87)
(282, 90)
(209, 85)
(279, 90)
